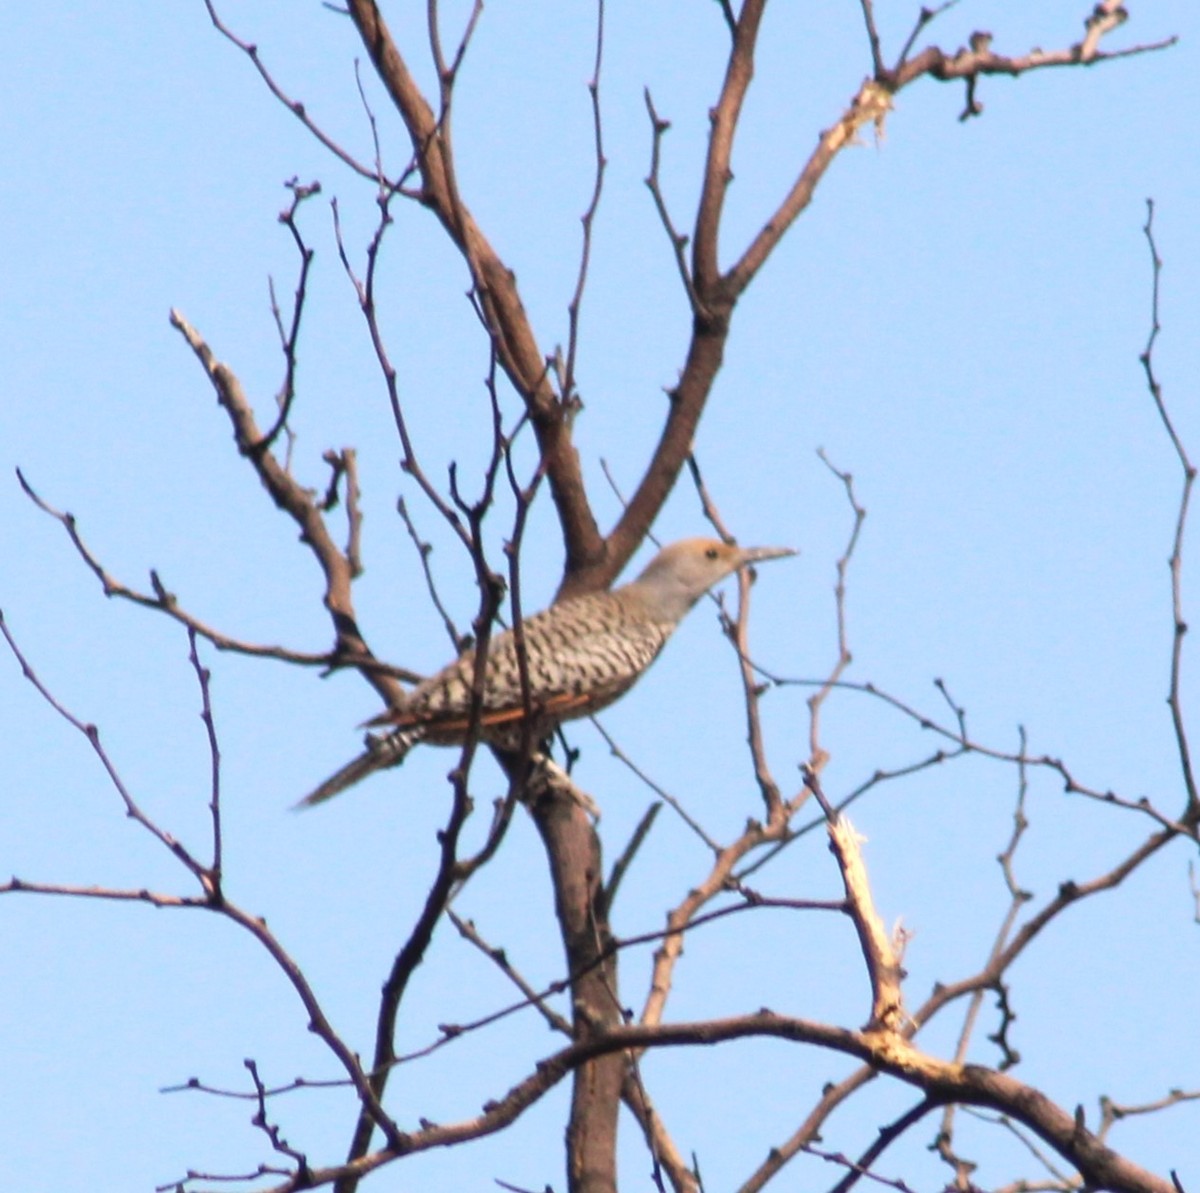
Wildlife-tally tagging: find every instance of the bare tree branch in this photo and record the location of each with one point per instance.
(589, 216)
(296, 108)
(300, 506)
(164, 601)
(212, 898)
(1191, 814)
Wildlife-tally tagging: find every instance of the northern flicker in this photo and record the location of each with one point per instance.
(581, 654)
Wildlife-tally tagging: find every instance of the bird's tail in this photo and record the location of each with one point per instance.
(383, 750)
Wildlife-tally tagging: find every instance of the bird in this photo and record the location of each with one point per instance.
(581, 654)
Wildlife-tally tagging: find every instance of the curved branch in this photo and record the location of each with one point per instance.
(940, 1081)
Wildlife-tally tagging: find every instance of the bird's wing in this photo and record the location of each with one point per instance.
(560, 706)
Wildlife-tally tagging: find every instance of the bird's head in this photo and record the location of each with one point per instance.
(680, 574)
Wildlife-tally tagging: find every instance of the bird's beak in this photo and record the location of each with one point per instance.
(761, 554)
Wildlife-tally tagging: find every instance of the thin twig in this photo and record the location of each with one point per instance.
(868, 10)
(878, 777)
(1018, 897)
(499, 957)
(1192, 813)
(296, 108)
(1071, 783)
(589, 216)
(424, 550)
(622, 864)
(748, 901)
(365, 292)
(300, 505)
(353, 512)
(870, 105)
(272, 1130)
(289, 338)
(736, 630)
(661, 792)
(1113, 1112)
(70, 890)
(923, 18)
(861, 1169)
(816, 702)
(164, 601)
(133, 810)
(679, 241)
(204, 678)
(730, 19)
(213, 899)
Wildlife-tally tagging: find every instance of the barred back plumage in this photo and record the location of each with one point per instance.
(581, 654)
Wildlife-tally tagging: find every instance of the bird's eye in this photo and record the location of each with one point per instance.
(711, 553)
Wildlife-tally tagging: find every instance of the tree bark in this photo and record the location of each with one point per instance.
(573, 849)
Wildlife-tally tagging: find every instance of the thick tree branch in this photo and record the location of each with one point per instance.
(718, 174)
(939, 1081)
(573, 850)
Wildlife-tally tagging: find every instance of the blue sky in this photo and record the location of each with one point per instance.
(956, 320)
